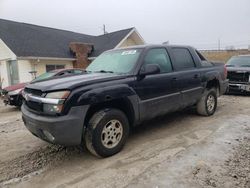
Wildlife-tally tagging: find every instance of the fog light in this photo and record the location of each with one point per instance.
(49, 136)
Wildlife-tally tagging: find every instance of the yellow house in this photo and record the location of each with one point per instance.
(26, 49)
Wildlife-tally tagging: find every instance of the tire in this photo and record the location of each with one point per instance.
(208, 103)
(107, 132)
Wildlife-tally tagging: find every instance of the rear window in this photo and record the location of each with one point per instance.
(183, 59)
(204, 62)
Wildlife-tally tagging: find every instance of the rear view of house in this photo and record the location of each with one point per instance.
(27, 50)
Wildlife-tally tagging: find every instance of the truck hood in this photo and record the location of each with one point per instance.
(74, 81)
(238, 69)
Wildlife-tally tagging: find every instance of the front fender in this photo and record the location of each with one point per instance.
(104, 94)
(110, 93)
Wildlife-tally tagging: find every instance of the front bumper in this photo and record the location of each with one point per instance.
(63, 130)
(13, 100)
(242, 87)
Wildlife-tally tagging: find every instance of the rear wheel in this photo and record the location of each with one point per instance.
(208, 103)
(107, 132)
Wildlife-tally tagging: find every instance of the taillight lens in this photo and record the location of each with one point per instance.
(225, 71)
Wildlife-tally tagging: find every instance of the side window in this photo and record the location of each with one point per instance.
(160, 57)
(183, 58)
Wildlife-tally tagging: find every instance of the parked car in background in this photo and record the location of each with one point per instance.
(239, 73)
(12, 95)
(121, 89)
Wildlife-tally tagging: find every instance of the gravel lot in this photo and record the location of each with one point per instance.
(178, 150)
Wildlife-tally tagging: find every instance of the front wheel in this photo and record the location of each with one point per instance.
(107, 132)
(208, 103)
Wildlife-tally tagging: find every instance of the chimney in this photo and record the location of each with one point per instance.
(81, 51)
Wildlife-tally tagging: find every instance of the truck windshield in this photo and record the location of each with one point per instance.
(241, 61)
(117, 61)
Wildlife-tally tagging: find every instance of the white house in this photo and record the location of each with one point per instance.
(25, 48)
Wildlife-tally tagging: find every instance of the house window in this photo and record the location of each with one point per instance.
(54, 67)
(13, 72)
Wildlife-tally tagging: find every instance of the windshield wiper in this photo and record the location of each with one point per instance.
(245, 65)
(103, 71)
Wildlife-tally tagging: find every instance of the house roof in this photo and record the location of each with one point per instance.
(27, 40)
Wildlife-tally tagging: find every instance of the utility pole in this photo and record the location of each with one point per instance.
(104, 29)
(219, 44)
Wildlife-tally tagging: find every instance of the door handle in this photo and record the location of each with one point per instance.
(174, 79)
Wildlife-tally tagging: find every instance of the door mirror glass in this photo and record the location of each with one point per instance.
(150, 69)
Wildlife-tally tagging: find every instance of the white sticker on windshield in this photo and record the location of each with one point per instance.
(130, 52)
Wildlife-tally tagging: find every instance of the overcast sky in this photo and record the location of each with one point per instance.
(200, 23)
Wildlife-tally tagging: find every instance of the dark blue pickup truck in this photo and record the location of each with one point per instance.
(120, 89)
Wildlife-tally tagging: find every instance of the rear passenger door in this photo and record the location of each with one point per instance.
(189, 76)
(157, 92)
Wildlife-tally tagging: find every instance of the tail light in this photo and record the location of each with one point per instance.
(225, 71)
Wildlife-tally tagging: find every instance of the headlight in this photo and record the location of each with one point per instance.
(53, 102)
(3, 93)
(52, 108)
(15, 92)
(58, 95)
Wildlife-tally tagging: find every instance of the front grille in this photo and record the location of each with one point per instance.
(35, 92)
(35, 106)
(238, 77)
(38, 107)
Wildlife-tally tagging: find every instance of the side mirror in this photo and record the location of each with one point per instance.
(150, 69)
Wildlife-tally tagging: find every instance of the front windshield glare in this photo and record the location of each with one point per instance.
(118, 61)
(239, 61)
